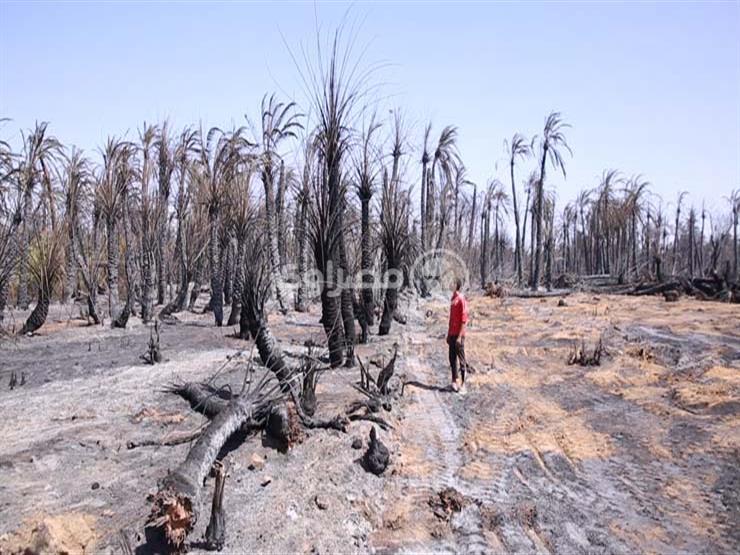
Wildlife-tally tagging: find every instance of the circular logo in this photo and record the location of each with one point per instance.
(440, 267)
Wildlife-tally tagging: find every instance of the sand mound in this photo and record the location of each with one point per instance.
(70, 533)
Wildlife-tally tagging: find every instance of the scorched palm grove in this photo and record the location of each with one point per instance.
(257, 271)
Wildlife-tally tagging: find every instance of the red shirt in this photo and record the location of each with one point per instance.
(458, 314)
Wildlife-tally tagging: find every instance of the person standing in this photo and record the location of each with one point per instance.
(456, 334)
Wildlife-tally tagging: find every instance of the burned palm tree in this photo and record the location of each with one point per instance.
(692, 248)
(603, 218)
(395, 240)
(286, 182)
(45, 265)
(324, 231)
(279, 122)
(549, 221)
(347, 293)
(183, 171)
(196, 228)
(472, 217)
(150, 228)
(75, 184)
(335, 88)
(220, 154)
(485, 233)
(500, 202)
(256, 291)
(735, 204)
(89, 256)
(166, 163)
(459, 180)
(637, 187)
(676, 229)
(425, 159)
(40, 150)
(583, 202)
(530, 185)
(241, 218)
(551, 142)
(112, 195)
(303, 200)
(366, 172)
(518, 148)
(11, 203)
(82, 248)
(446, 160)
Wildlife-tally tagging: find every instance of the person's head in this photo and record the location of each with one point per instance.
(457, 284)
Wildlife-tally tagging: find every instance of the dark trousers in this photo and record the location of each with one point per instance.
(457, 352)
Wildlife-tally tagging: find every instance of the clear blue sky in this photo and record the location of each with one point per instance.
(651, 88)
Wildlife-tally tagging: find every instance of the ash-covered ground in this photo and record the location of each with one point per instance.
(640, 453)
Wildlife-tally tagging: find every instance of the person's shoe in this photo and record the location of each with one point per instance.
(454, 387)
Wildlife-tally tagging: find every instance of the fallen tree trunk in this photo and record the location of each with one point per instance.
(655, 289)
(711, 288)
(175, 440)
(176, 505)
(201, 398)
(526, 294)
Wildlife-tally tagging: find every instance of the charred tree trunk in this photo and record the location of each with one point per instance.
(160, 264)
(486, 229)
(675, 236)
(423, 205)
(280, 218)
(701, 243)
(390, 306)
(3, 298)
(518, 236)
(272, 232)
(302, 240)
(228, 258)
(429, 231)
(37, 318)
(532, 225)
(527, 209)
(471, 229)
(368, 280)
(214, 254)
(236, 298)
(89, 274)
(538, 236)
(23, 300)
(633, 234)
(112, 250)
(548, 260)
(692, 225)
(330, 319)
(216, 530)
(69, 289)
(347, 307)
(734, 241)
(148, 284)
(128, 268)
(647, 255)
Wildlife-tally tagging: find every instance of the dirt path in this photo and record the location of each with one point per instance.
(561, 459)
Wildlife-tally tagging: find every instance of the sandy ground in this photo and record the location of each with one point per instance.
(641, 453)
